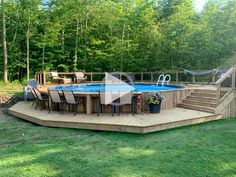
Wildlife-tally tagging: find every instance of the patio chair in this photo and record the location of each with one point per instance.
(130, 78)
(40, 98)
(118, 103)
(102, 103)
(60, 80)
(56, 99)
(34, 95)
(127, 99)
(70, 99)
(32, 83)
(79, 77)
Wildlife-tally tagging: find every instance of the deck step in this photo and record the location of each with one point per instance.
(196, 107)
(205, 91)
(200, 103)
(205, 99)
(211, 95)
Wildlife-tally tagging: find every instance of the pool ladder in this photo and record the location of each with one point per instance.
(163, 79)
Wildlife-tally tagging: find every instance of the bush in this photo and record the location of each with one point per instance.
(63, 68)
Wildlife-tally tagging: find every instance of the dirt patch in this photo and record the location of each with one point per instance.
(3, 112)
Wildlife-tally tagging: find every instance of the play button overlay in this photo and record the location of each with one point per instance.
(115, 90)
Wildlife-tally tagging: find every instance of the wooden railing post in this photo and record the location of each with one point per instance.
(229, 73)
(233, 79)
(194, 80)
(214, 79)
(91, 77)
(36, 76)
(44, 78)
(151, 76)
(177, 76)
(218, 94)
(141, 77)
(40, 77)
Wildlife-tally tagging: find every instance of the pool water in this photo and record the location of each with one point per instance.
(115, 87)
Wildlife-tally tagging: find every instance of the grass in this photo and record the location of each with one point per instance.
(10, 88)
(200, 150)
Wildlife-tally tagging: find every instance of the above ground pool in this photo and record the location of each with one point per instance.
(116, 87)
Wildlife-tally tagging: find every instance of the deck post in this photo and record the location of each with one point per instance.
(40, 77)
(139, 104)
(233, 79)
(218, 94)
(151, 76)
(214, 79)
(141, 76)
(177, 76)
(91, 77)
(44, 78)
(36, 77)
(194, 80)
(88, 104)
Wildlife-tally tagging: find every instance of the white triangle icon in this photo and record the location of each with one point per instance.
(115, 89)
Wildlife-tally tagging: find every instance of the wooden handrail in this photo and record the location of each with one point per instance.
(230, 72)
(226, 75)
(41, 76)
(226, 95)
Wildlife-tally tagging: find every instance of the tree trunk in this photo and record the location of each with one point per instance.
(17, 24)
(27, 48)
(76, 45)
(63, 41)
(5, 72)
(123, 37)
(62, 60)
(122, 45)
(85, 36)
(44, 44)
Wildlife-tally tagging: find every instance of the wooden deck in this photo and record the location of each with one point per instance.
(140, 123)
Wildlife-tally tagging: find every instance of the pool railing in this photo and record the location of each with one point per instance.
(149, 77)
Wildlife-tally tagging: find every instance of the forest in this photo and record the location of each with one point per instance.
(116, 35)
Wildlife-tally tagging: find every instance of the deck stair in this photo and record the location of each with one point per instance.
(201, 100)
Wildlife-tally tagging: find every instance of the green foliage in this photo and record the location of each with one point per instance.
(108, 35)
(154, 98)
(62, 68)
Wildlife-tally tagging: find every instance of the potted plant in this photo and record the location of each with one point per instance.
(154, 100)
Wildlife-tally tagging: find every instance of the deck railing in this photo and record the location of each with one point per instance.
(226, 85)
(93, 77)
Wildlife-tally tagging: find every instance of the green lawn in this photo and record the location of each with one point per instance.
(10, 88)
(202, 150)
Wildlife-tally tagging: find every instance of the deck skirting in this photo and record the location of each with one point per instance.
(140, 123)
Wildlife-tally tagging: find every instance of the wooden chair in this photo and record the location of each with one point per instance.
(79, 77)
(70, 99)
(60, 80)
(56, 99)
(39, 98)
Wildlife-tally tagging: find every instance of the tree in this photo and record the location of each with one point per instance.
(5, 72)
(113, 35)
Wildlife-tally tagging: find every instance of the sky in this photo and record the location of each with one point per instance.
(199, 4)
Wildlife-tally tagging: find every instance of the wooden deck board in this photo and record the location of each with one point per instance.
(140, 123)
